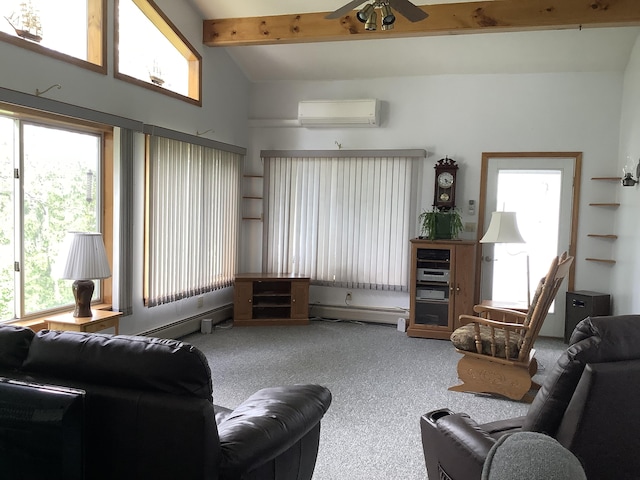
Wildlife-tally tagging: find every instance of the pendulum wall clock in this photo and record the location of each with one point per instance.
(444, 193)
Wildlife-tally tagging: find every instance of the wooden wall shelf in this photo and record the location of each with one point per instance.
(252, 193)
(598, 235)
(600, 260)
(604, 236)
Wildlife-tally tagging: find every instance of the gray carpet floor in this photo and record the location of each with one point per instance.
(381, 380)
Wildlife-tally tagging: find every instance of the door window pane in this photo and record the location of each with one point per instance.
(535, 197)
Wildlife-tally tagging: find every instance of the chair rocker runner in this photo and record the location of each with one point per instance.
(497, 345)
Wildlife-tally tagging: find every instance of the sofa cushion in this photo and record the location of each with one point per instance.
(14, 345)
(145, 363)
(594, 340)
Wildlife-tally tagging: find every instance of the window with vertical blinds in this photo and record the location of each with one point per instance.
(344, 221)
(192, 219)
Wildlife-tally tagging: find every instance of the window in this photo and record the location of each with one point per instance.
(343, 221)
(50, 184)
(192, 219)
(152, 53)
(75, 33)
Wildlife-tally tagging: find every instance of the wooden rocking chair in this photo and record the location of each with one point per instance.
(497, 345)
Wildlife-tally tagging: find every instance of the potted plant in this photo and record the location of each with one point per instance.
(440, 224)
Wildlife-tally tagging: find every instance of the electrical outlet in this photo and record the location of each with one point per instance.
(200, 302)
(348, 298)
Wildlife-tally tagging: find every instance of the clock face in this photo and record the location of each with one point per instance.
(445, 180)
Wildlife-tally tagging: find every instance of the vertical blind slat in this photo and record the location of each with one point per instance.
(193, 220)
(342, 221)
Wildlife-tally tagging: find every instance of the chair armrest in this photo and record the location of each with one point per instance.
(268, 423)
(455, 443)
(498, 310)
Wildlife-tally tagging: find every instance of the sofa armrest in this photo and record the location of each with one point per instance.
(267, 424)
(454, 443)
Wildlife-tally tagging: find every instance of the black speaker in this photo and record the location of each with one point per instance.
(582, 304)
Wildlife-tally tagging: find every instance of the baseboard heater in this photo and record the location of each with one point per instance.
(183, 327)
(360, 314)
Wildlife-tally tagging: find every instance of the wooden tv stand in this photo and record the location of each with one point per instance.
(270, 299)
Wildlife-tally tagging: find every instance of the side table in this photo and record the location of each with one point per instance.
(99, 320)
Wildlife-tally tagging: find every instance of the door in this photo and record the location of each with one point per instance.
(539, 188)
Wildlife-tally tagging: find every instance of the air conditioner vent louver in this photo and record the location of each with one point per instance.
(339, 113)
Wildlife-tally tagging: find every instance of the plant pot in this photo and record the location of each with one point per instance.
(443, 227)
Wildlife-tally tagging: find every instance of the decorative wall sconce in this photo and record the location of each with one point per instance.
(627, 176)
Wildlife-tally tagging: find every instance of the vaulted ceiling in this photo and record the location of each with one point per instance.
(291, 39)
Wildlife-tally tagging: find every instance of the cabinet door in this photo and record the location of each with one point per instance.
(463, 281)
(299, 299)
(243, 300)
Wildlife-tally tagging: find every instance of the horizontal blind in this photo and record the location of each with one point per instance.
(192, 220)
(342, 221)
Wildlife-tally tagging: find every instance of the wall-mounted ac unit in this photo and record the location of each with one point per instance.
(339, 113)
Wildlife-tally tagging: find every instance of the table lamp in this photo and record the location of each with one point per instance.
(503, 228)
(86, 260)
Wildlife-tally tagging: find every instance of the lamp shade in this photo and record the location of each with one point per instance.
(503, 228)
(86, 257)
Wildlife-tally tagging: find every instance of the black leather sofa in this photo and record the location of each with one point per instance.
(588, 402)
(149, 412)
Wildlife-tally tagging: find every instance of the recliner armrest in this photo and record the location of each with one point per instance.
(267, 424)
(455, 443)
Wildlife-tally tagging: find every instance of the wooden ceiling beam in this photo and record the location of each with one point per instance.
(444, 19)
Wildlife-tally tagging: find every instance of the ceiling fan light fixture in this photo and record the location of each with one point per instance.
(387, 26)
(364, 14)
(371, 22)
(388, 18)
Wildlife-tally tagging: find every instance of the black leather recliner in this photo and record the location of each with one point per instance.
(589, 402)
(149, 411)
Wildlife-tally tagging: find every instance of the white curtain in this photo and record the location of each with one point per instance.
(343, 221)
(192, 219)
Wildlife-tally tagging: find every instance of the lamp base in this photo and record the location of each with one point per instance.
(82, 292)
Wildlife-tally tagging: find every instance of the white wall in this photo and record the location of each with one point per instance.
(225, 101)
(461, 116)
(626, 278)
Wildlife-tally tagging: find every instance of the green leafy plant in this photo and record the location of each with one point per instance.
(440, 225)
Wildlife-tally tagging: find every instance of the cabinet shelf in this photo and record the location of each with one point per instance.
(271, 299)
(442, 286)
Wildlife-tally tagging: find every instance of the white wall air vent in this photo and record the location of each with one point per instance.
(339, 113)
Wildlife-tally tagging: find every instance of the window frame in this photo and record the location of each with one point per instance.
(96, 38)
(166, 27)
(105, 220)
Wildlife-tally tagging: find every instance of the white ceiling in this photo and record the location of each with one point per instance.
(594, 49)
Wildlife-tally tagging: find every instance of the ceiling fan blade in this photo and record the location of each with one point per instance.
(346, 9)
(408, 10)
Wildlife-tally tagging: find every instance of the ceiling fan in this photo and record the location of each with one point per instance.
(369, 17)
